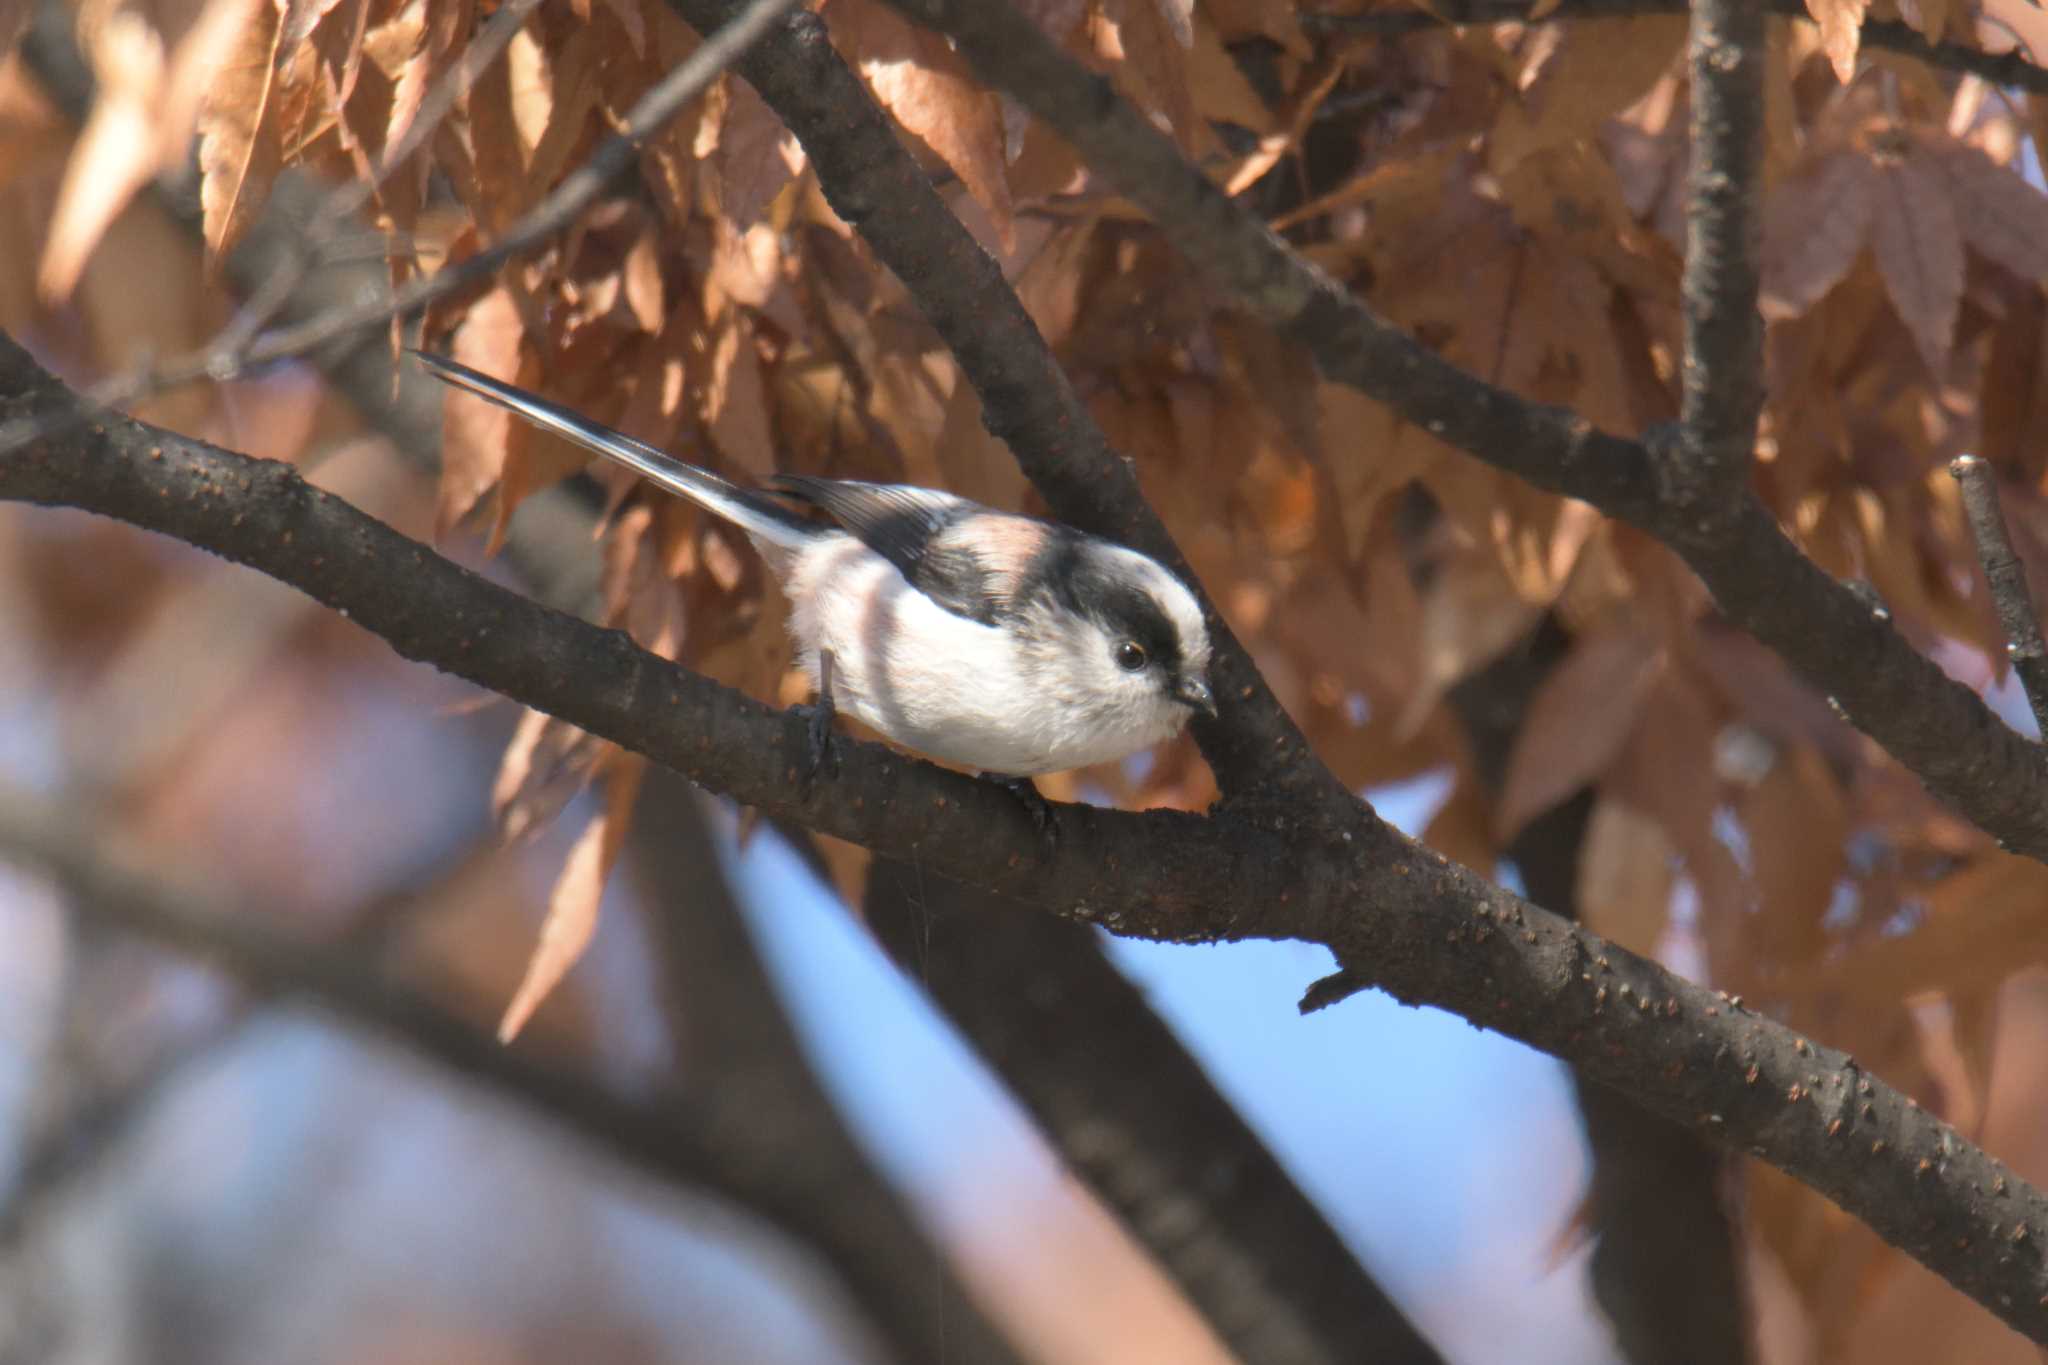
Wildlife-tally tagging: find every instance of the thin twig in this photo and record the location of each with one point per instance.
(345, 201)
(2012, 69)
(1722, 375)
(550, 216)
(2007, 576)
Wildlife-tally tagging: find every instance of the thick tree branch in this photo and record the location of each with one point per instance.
(2012, 69)
(2007, 577)
(1667, 1254)
(1724, 334)
(1399, 915)
(741, 1071)
(874, 184)
(676, 1146)
(1132, 1112)
(1938, 728)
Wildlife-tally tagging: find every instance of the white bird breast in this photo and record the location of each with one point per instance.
(936, 682)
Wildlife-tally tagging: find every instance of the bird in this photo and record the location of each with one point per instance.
(990, 640)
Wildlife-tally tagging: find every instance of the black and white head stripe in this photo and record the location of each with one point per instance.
(1128, 595)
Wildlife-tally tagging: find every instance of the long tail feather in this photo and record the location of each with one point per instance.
(751, 512)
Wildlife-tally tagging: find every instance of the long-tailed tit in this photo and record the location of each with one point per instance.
(984, 638)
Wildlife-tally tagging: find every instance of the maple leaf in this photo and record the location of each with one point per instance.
(1180, 18)
(241, 143)
(475, 434)
(1999, 211)
(1577, 723)
(572, 905)
(1918, 244)
(1841, 30)
(1626, 870)
(926, 86)
(1813, 227)
(116, 153)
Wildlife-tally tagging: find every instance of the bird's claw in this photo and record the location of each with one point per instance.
(1043, 817)
(820, 749)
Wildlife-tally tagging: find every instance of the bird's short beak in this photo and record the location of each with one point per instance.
(1195, 693)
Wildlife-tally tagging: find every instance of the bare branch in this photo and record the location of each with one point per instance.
(2017, 619)
(1397, 914)
(1724, 334)
(2013, 69)
(1934, 725)
(743, 1068)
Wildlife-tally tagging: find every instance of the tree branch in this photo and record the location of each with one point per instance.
(1934, 725)
(742, 1070)
(1724, 334)
(1121, 1100)
(2007, 578)
(876, 186)
(1667, 1254)
(2009, 69)
(676, 1146)
(1397, 914)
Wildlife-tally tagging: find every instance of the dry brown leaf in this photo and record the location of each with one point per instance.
(1798, 829)
(1152, 66)
(1591, 71)
(116, 153)
(14, 17)
(1841, 29)
(339, 38)
(735, 401)
(572, 905)
(1576, 724)
(751, 155)
(1462, 828)
(474, 434)
(1237, 20)
(920, 80)
(301, 17)
(241, 144)
(547, 763)
(2015, 389)
(1918, 245)
(1813, 228)
(1929, 17)
(195, 63)
(631, 22)
(1626, 872)
(1983, 922)
(1055, 18)
(1468, 618)
(574, 76)
(2001, 213)
(1180, 19)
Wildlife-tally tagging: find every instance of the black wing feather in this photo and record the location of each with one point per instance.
(907, 526)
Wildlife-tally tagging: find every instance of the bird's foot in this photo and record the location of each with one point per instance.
(821, 750)
(1043, 818)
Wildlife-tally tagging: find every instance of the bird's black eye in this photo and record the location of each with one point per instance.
(1130, 656)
